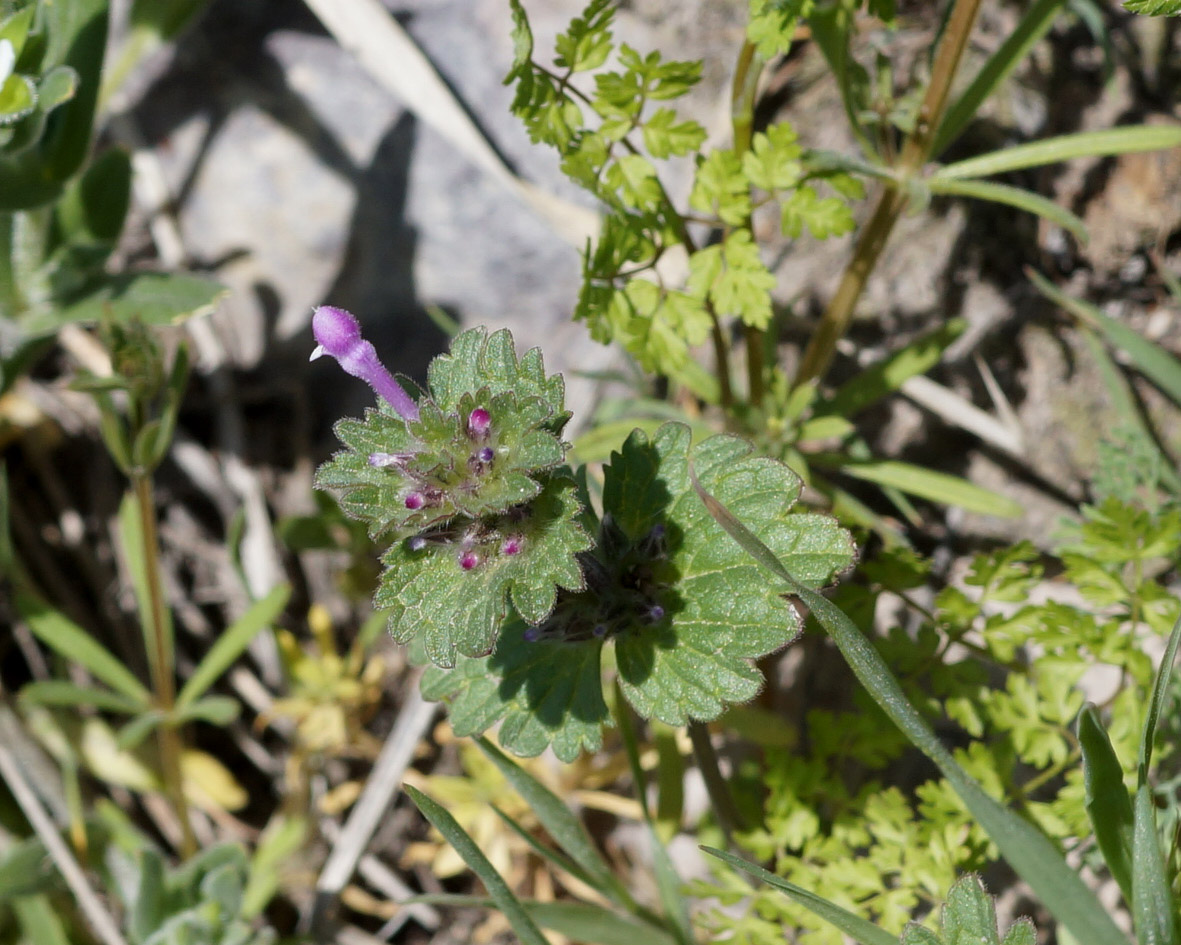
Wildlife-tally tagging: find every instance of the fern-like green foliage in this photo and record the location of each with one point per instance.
(998, 671)
(684, 611)
(1154, 7)
(472, 494)
(612, 134)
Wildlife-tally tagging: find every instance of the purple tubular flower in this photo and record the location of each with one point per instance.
(338, 334)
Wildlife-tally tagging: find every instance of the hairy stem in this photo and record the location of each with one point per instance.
(726, 811)
(159, 647)
(743, 93)
(892, 199)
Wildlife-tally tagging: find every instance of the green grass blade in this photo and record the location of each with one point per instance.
(882, 379)
(1033, 856)
(59, 692)
(1033, 26)
(668, 883)
(1156, 703)
(524, 927)
(232, 643)
(1153, 910)
(1125, 404)
(595, 925)
(1125, 140)
(39, 920)
(924, 483)
(1013, 197)
(56, 630)
(1153, 361)
(1107, 802)
(559, 821)
(581, 921)
(857, 928)
(555, 857)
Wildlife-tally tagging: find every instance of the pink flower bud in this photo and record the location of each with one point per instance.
(479, 422)
(415, 501)
(468, 560)
(338, 334)
(512, 546)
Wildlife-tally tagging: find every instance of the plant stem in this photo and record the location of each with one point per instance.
(743, 93)
(160, 653)
(893, 198)
(729, 819)
(11, 302)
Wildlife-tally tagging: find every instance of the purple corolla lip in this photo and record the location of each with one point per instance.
(338, 335)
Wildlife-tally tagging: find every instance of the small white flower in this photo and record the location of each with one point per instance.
(7, 60)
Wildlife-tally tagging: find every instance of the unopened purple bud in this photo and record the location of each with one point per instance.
(531, 635)
(416, 543)
(338, 334)
(479, 422)
(600, 630)
(655, 613)
(468, 560)
(512, 546)
(389, 459)
(486, 455)
(415, 501)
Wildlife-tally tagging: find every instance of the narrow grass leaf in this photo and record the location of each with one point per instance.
(282, 839)
(1107, 802)
(1125, 140)
(581, 921)
(1029, 852)
(1156, 704)
(1125, 404)
(555, 857)
(595, 925)
(670, 780)
(57, 631)
(668, 883)
(216, 710)
(1153, 361)
(60, 692)
(559, 821)
(39, 920)
(1033, 26)
(1153, 911)
(857, 928)
(882, 379)
(232, 643)
(1013, 197)
(925, 484)
(524, 927)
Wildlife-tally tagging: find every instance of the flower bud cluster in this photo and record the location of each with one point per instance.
(476, 542)
(628, 588)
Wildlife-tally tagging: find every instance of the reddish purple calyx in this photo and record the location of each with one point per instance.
(415, 501)
(512, 546)
(479, 422)
(338, 335)
(468, 560)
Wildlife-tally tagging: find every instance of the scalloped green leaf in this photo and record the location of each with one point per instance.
(440, 462)
(720, 614)
(544, 693)
(478, 360)
(686, 609)
(452, 585)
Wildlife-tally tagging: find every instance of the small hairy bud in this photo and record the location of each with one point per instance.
(512, 546)
(479, 422)
(415, 501)
(468, 560)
